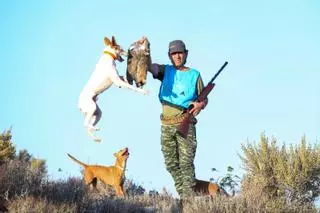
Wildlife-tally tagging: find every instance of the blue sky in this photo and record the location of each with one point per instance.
(49, 50)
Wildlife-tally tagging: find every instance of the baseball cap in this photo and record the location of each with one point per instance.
(177, 46)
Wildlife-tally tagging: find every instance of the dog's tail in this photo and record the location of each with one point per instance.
(77, 161)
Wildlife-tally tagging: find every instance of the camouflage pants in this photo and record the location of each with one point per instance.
(179, 155)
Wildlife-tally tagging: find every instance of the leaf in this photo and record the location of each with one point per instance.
(230, 169)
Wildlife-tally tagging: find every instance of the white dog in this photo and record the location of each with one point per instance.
(104, 75)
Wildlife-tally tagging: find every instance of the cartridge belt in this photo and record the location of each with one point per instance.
(171, 120)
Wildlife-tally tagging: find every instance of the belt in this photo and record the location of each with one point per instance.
(171, 120)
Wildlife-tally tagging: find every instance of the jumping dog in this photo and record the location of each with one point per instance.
(104, 75)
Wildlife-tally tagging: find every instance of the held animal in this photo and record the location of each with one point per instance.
(138, 61)
(104, 75)
(111, 175)
(208, 188)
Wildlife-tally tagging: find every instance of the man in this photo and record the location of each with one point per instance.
(180, 87)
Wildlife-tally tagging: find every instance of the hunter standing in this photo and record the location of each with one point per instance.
(180, 86)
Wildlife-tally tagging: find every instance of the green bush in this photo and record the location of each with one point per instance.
(292, 174)
(7, 149)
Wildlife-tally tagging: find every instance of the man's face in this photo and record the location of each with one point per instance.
(178, 59)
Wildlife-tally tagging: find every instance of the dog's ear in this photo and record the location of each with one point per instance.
(107, 41)
(115, 154)
(141, 41)
(114, 43)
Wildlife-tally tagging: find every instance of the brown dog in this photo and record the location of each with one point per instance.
(208, 188)
(112, 175)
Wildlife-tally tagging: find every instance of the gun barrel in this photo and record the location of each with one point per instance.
(216, 75)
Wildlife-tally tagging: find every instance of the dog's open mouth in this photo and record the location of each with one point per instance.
(126, 152)
(120, 59)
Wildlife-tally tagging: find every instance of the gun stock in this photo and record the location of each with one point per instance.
(183, 128)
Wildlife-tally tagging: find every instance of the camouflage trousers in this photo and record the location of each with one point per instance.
(179, 155)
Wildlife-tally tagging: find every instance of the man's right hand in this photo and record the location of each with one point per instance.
(197, 107)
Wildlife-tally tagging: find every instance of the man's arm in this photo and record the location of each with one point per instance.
(200, 87)
(198, 106)
(157, 71)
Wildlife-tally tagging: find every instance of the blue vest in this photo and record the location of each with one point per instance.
(179, 87)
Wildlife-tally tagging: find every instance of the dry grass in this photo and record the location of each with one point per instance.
(146, 204)
(26, 190)
(84, 201)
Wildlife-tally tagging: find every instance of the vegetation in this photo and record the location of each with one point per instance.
(290, 173)
(7, 149)
(229, 182)
(277, 180)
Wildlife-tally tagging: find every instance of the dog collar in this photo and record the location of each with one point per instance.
(111, 54)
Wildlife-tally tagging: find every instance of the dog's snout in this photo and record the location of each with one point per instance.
(120, 59)
(124, 53)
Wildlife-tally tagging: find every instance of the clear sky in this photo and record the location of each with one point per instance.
(48, 50)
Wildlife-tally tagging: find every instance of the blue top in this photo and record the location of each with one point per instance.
(179, 87)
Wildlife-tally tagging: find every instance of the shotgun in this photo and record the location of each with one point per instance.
(184, 126)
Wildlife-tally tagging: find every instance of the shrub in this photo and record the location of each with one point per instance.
(229, 182)
(18, 179)
(292, 174)
(7, 149)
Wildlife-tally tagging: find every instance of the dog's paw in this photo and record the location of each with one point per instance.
(92, 128)
(145, 91)
(92, 135)
(98, 140)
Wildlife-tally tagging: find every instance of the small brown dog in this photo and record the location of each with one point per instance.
(111, 175)
(208, 188)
